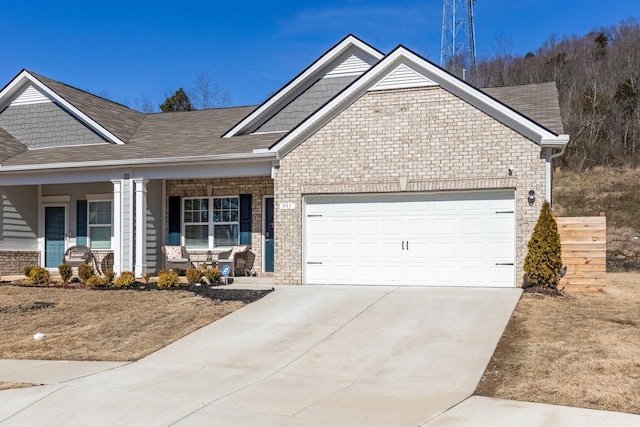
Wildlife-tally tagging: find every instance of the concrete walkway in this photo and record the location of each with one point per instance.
(305, 356)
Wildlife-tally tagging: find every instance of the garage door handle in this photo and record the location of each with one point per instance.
(403, 245)
(314, 262)
(504, 263)
(505, 212)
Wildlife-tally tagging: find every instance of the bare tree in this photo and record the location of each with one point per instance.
(208, 94)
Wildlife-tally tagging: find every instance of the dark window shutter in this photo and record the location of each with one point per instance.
(175, 209)
(81, 223)
(245, 219)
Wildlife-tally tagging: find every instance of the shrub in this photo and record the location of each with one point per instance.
(66, 271)
(168, 279)
(96, 282)
(543, 262)
(85, 271)
(27, 270)
(109, 275)
(126, 279)
(213, 275)
(39, 276)
(193, 275)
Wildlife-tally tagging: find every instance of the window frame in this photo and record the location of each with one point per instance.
(99, 198)
(211, 223)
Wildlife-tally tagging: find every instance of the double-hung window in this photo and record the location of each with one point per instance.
(211, 222)
(100, 224)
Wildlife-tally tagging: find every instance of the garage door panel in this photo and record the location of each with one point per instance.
(501, 251)
(425, 239)
(473, 250)
(445, 226)
(368, 227)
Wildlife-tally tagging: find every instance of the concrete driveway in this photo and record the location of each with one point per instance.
(301, 356)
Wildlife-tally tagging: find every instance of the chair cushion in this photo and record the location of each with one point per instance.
(173, 252)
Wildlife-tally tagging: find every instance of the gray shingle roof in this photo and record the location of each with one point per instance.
(163, 135)
(118, 119)
(539, 102)
(199, 133)
(10, 146)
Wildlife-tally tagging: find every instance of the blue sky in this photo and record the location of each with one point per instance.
(127, 50)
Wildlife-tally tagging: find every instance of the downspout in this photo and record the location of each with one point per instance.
(549, 171)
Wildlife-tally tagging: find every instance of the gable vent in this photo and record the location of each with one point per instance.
(29, 94)
(403, 77)
(353, 65)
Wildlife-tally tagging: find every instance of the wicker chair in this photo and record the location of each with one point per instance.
(176, 258)
(76, 256)
(241, 258)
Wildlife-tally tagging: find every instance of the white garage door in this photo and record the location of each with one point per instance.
(443, 239)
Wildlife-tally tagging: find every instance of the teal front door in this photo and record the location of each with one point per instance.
(54, 229)
(268, 235)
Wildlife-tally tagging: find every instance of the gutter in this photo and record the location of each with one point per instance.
(255, 156)
(560, 142)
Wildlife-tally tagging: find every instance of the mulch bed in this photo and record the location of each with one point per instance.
(214, 293)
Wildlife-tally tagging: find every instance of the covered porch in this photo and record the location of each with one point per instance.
(126, 216)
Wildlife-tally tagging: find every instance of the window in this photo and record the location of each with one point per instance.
(211, 222)
(100, 219)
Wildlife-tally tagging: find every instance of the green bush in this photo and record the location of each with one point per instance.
(213, 275)
(27, 270)
(96, 282)
(168, 279)
(126, 279)
(39, 276)
(193, 275)
(85, 271)
(66, 271)
(543, 262)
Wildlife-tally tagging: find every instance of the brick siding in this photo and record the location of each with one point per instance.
(13, 262)
(406, 140)
(258, 187)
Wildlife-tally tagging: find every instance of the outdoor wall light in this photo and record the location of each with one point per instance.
(531, 198)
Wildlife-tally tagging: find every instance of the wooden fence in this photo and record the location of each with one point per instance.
(584, 252)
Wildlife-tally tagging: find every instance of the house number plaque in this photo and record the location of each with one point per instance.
(287, 206)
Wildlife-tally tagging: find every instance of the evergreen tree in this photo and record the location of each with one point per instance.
(178, 102)
(543, 263)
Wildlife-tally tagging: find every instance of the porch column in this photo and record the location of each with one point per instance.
(117, 226)
(141, 227)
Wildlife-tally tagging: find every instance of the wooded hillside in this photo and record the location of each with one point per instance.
(598, 80)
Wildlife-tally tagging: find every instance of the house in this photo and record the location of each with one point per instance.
(366, 168)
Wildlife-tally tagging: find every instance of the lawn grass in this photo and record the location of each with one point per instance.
(84, 324)
(582, 350)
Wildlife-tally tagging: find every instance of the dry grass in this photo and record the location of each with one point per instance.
(581, 351)
(100, 325)
(614, 192)
(7, 385)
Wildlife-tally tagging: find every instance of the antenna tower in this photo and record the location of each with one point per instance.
(458, 47)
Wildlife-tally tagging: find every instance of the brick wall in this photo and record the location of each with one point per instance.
(256, 186)
(419, 140)
(13, 262)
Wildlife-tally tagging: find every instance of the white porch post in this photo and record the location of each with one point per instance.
(117, 226)
(141, 227)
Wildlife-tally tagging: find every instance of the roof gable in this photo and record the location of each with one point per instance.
(404, 69)
(351, 57)
(113, 122)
